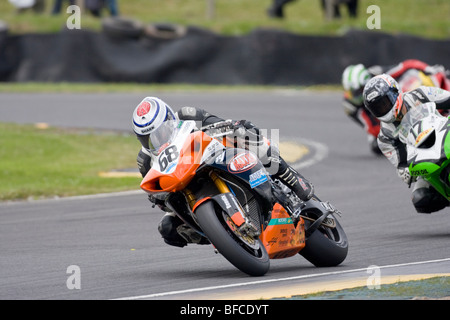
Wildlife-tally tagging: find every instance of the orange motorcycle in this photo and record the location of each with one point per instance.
(226, 194)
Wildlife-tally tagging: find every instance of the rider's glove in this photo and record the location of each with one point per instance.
(158, 202)
(239, 128)
(247, 134)
(403, 173)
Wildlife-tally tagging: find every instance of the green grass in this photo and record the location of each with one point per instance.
(428, 18)
(65, 87)
(41, 163)
(432, 288)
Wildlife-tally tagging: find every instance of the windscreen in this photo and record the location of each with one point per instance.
(163, 136)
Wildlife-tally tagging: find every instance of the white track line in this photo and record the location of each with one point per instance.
(250, 283)
(321, 152)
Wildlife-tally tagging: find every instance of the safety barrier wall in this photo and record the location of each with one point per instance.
(199, 56)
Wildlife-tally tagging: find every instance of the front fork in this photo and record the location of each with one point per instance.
(232, 207)
(220, 184)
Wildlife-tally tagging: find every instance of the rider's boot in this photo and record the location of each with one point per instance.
(288, 175)
(294, 181)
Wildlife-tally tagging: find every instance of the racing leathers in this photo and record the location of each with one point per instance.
(246, 136)
(424, 197)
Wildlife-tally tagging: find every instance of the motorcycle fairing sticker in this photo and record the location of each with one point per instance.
(257, 178)
(242, 162)
(415, 158)
(167, 160)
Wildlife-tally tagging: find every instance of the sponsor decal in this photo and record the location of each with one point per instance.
(225, 200)
(278, 221)
(242, 162)
(169, 168)
(419, 172)
(372, 95)
(422, 135)
(147, 130)
(257, 178)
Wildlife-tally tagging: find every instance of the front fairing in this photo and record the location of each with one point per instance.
(176, 164)
(426, 135)
(424, 131)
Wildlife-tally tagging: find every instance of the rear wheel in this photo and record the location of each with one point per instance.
(327, 246)
(245, 253)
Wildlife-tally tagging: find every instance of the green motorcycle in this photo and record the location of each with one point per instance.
(426, 135)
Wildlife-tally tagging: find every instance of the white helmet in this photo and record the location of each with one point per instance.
(148, 117)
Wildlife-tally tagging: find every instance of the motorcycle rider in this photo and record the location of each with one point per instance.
(384, 99)
(355, 77)
(152, 112)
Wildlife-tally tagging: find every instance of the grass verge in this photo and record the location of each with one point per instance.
(50, 162)
(432, 288)
(66, 87)
(428, 18)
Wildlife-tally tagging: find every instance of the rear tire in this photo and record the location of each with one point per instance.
(254, 262)
(326, 248)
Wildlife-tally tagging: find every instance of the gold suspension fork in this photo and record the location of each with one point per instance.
(191, 199)
(241, 226)
(220, 184)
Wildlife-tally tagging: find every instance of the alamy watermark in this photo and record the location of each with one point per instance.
(74, 280)
(74, 20)
(374, 20)
(374, 280)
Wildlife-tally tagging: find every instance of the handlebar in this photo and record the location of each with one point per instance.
(219, 129)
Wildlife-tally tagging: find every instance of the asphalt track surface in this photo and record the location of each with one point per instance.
(114, 242)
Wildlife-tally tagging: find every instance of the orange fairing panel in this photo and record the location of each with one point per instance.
(187, 163)
(280, 238)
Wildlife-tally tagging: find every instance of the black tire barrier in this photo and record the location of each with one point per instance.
(119, 28)
(128, 51)
(164, 31)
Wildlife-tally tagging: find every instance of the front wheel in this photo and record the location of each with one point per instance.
(245, 253)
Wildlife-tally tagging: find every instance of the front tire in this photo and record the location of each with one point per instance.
(252, 261)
